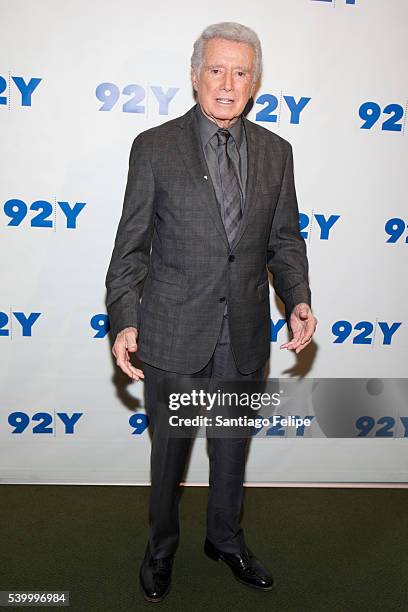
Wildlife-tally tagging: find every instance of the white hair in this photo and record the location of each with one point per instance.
(229, 31)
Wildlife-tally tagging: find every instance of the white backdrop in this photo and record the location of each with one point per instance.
(72, 76)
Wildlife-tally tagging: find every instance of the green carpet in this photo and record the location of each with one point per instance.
(329, 549)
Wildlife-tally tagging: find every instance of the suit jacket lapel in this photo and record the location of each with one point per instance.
(256, 153)
(189, 144)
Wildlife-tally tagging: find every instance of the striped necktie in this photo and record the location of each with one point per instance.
(230, 187)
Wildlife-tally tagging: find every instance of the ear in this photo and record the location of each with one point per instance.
(194, 79)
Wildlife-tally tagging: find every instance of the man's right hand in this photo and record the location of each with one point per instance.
(125, 343)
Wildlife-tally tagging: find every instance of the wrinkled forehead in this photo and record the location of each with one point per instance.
(222, 52)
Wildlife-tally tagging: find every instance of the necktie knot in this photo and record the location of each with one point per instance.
(223, 136)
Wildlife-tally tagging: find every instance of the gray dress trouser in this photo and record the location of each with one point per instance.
(227, 458)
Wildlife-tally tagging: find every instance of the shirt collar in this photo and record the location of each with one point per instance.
(208, 128)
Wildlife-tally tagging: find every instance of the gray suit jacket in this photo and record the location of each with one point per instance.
(172, 269)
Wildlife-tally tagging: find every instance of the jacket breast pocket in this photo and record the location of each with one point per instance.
(268, 197)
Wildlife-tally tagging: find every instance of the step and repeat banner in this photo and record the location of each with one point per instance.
(78, 82)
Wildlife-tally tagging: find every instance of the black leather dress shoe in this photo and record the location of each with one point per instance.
(245, 566)
(155, 576)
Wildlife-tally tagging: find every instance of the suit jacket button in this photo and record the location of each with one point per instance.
(231, 258)
(222, 299)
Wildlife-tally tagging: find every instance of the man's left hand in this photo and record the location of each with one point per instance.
(303, 325)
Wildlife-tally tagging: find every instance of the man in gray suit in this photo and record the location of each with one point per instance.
(210, 206)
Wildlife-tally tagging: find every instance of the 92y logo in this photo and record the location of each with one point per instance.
(366, 332)
(282, 104)
(390, 118)
(325, 224)
(19, 90)
(138, 100)
(24, 321)
(43, 422)
(43, 213)
(396, 229)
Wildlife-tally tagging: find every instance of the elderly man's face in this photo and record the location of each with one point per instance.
(225, 82)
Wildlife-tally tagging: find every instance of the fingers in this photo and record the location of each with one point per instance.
(125, 343)
(309, 331)
(123, 362)
(298, 334)
(302, 336)
(302, 346)
(294, 343)
(130, 370)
